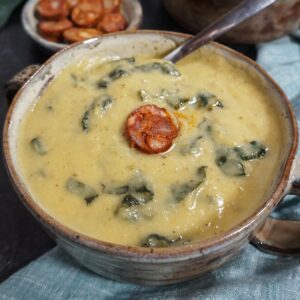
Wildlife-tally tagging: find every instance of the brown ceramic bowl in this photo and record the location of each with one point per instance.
(159, 266)
(277, 20)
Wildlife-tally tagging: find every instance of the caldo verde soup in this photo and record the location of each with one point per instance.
(139, 151)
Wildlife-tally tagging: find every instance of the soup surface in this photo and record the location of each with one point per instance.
(84, 168)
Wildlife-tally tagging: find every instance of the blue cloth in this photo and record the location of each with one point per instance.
(6, 9)
(251, 275)
(281, 58)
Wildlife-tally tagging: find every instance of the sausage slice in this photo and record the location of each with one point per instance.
(73, 35)
(111, 6)
(54, 27)
(112, 22)
(72, 3)
(53, 9)
(51, 37)
(151, 129)
(87, 14)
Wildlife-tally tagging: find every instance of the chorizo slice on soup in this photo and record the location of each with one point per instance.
(151, 129)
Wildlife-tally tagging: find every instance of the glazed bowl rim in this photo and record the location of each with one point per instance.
(135, 252)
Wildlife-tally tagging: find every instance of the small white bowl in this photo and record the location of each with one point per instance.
(131, 9)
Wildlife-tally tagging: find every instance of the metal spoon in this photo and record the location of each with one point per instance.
(240, 13)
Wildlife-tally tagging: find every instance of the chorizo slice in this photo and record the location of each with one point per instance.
(94, 2)
(73, 35)
(72, 3)
(51, 37)
(52, 9)
(54, 27)
(112, 22)
(87, 14)
(111, 6)
(151, 129)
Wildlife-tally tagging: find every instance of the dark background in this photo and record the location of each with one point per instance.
(21, 237)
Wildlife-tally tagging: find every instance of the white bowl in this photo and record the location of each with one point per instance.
(132, 10)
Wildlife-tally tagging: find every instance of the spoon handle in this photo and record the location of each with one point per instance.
(240, 13)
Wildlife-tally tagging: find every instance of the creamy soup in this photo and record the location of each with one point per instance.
(85, 168)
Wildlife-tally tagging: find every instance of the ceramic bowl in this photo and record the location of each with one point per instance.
(159, 266)
(277, 20)
(131, 9)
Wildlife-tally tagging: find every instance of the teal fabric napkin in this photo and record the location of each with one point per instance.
(6, 9)
(251, 275)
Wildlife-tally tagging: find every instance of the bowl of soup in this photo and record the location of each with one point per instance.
(145, 171)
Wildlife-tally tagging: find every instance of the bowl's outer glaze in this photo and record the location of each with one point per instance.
(135, 264)
(277, 20)
(131, 9)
